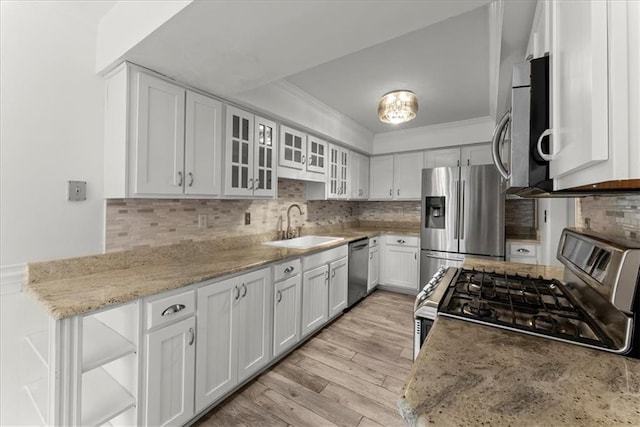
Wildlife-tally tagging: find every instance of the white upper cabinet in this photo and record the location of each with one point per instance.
(540, 38)
(161, 140)
(293, 148)
(396, 177)
(579, 85)
(159, 137)
(381, 178)
(338, 176)
(358, 176)
(264, 169)
(316, 155)
(249, 145)
(407, 176)
(203, 149)
(595, 69)
(467, 155)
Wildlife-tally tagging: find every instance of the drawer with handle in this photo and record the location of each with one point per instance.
(400, 240)
(522, 249)
(286, 269)
(169, 309)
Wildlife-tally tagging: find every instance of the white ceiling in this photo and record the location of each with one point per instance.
(446, 65)
(344, 53)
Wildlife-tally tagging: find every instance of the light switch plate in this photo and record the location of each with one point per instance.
(77, 191)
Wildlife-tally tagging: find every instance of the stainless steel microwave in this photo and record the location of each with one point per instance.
(522, 129)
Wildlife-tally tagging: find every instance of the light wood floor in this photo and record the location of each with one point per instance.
(349, 374)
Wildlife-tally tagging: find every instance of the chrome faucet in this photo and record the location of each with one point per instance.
(290, 233)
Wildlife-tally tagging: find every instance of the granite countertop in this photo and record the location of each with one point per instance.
(74, 286)
(471, 374)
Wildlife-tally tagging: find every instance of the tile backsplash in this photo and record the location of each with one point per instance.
(615, 216)
(157, 222)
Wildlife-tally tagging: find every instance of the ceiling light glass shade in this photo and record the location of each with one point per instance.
(398, 107)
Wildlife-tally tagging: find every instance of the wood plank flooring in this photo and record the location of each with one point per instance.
(349, 374)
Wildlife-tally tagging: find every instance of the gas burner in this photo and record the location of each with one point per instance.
(475, 283)
(543, 322)
(479, 309)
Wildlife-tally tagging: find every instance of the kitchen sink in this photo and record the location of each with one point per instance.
(304, 242)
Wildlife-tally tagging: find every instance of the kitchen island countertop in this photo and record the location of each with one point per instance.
(74, 286)
(471, 374)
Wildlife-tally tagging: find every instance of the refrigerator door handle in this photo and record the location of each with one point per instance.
(456, 226)
(462, 212)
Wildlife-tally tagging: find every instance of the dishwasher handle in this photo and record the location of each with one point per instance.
(357, 248)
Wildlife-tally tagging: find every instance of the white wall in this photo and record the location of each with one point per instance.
(52, 131)
(52, 108)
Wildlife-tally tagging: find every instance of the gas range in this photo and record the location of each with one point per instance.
(597, 304)
(522, 303)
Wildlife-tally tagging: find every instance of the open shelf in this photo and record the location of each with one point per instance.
(103, 398)
(39, 342)
(101, 344)
(37, 392)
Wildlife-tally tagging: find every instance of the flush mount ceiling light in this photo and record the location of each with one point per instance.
(398, 106)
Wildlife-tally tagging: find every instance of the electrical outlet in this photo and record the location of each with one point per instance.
(247, 218)
(202, 221)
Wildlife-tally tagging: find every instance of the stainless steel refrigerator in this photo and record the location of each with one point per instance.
(462, 214)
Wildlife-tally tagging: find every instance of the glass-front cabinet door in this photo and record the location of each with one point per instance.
(317, 155)
(293, 147)
(264, 176)
(239, 153)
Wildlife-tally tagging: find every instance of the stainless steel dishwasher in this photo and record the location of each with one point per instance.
(358, 270)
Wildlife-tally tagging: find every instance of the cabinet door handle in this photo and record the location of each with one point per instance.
(173, 309)
(244, 290)
(256, 184)
(371, 256)
(236, 292)
(278, 296)
(288, 269)
(250, 184)
(333, 274)
(190, 179)
(193, 336)
(523, 251)
(326, 277)
(303, 160)
(398, 191)
(415, 256)
(391, 192)
(180, 179)
(402, 242)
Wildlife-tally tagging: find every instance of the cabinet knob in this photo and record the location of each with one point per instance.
(288, 269)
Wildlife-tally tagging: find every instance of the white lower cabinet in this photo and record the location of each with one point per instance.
(374, 263)
(324, 287)
(286, 314)
(170, 363)
(234, 333)
(338, 283)
(315, 302)
(400, 262)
